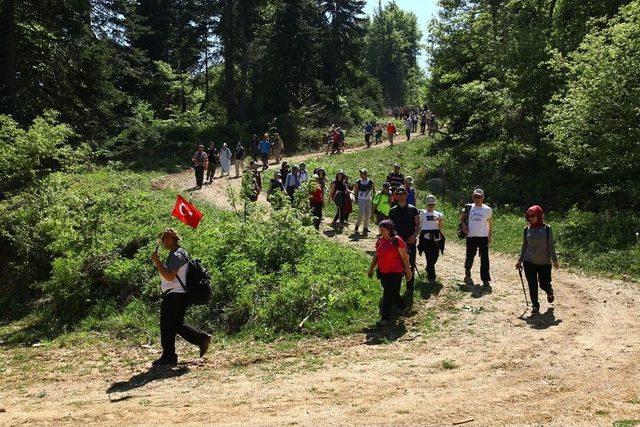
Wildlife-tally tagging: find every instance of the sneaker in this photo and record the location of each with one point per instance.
(468, 280)
(365, 231)
(383, 323)
(550, 298)
(164, 363)
(205, 345)
(535, 310)
(486, 283)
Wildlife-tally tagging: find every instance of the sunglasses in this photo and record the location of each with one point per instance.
(475, 196)
(430, 205)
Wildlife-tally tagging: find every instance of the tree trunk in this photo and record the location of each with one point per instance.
(228, 54)
(8, 54)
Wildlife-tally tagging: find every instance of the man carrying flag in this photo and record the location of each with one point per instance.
(173, 274)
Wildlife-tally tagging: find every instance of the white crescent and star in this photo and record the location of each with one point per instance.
(182, 205)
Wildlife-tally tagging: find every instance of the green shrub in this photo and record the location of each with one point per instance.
(79, 248)
(28, 155)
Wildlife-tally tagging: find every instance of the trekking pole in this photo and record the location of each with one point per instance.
(523, 288)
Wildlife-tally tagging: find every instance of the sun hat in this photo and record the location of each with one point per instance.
(168, 232)
(478, 192)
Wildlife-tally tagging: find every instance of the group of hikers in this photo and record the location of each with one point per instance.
(403, 232)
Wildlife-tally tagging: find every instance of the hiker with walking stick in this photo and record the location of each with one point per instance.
(536, 256)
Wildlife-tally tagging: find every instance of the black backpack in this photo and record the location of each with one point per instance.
(461, 233)
(198, 286)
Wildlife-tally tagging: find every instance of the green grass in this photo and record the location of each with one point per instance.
(449, 364)
(626, 423)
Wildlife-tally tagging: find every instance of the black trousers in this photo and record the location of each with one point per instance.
(367, 139)
(408, 133)
(431, 252)
(537, 275)
(199, 175)
(291, 191)
(411, 251)
(172, 312)
(316, 212)
(423, 127)
(211, 170)
(475, 245)
(391, 299)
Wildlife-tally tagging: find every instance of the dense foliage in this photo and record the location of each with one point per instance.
(78, 246)
(541, 99)
(219, 70)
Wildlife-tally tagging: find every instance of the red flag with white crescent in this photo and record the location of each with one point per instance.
(186, 212)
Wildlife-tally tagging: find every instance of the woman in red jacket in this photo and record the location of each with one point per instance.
(393, 262)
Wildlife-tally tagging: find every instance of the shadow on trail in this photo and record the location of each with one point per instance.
(428, 290)
(474, 290)
(377, 335)
(542, 321)
(144, 378)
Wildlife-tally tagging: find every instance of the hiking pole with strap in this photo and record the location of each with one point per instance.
(523, 288)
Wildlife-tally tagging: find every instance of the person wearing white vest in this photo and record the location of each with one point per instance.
(431, 236)
(173, 277)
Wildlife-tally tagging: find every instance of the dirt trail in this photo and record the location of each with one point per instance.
(463, 355)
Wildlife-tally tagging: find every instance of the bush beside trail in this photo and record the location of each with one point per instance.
(76, 256)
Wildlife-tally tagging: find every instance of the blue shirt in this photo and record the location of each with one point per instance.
(265, 146)
(411, 196)
(368, 128)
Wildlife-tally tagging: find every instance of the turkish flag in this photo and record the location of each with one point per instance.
(186, 212)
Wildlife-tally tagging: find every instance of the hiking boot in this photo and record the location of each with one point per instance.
(164, 363)
(383, 323)
(550, 298)
(468, 280)
(432, 282)
(365, 231)
(486, 284)
(205, 345)
(535, 310)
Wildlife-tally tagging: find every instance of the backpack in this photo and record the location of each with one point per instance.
(198, 286)
(524, 235)
(461, 233)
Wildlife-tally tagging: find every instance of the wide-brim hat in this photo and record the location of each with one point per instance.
(168, 232)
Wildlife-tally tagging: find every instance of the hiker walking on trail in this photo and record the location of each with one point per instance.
(395, 178)
(316, 201)
(284, 170)
(391, 132)
(382, 203)
(537, 254)
(364, 190)
(368, 130)
(255, 147)
(292, 181)
(278, 147)
(377, 136)
(225, 159)
(256, 179)
(406, 220)
(275, 184)
(199, 160)
(336, 141)
(408, 125)
(414, 121)
(304, 174)
(393, 263)
(239, 159)
(477, 225)
(411, 192)
(173, 275)
(423, 123)
(213, 158)
(265, 149)
(431, 236)
(338, 193)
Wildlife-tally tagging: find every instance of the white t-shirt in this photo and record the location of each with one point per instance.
(429, 220)
(479, 221)
(178, 259)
